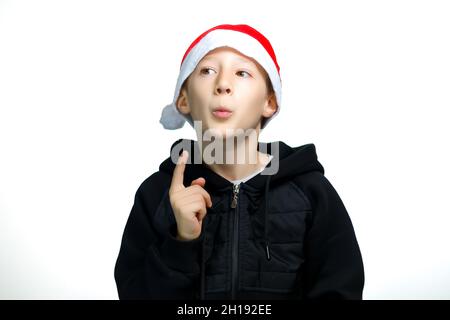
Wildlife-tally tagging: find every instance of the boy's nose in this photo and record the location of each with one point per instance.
(223, 88)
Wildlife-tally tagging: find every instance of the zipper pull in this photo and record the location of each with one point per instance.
(267, 250)
(235, 195)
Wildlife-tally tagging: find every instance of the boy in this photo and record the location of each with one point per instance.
(204, 228)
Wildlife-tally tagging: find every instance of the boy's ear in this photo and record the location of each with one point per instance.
(183, 103)
(271, 106)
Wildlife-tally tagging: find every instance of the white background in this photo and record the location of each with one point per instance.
(82, 85)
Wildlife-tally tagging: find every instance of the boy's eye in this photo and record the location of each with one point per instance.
(241, 72)
(206, 70)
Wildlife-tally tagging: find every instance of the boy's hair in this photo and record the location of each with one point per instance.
(269, 87)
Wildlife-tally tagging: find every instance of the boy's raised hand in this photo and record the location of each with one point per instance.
(188, 204)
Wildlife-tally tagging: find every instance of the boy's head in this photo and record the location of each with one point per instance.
(228, 67)
(226, 80)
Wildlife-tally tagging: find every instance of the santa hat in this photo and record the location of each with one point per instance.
(241, 37)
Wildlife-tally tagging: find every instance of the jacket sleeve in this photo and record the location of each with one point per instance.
(333, 267)
(152, 263)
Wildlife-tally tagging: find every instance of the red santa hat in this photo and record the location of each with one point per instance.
(241, 37)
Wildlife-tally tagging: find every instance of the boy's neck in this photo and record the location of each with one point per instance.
(250, 160)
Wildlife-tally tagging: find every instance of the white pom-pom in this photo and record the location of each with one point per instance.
(171, 119)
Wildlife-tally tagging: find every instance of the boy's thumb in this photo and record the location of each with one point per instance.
(199, 181)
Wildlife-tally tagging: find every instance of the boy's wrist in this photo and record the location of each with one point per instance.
(181, 238)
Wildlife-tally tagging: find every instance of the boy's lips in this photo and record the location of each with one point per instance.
(222, 112)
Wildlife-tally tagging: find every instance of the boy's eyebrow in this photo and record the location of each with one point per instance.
(238, 59)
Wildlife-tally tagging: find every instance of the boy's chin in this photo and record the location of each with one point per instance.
(225, 131)
(218, 132)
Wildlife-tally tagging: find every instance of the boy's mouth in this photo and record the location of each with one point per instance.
(222, 112)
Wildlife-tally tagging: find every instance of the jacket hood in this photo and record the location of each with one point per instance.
(286, 163)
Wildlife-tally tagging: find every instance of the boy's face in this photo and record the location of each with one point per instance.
(226, 78)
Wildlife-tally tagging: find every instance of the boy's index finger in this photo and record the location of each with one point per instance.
(178, 172)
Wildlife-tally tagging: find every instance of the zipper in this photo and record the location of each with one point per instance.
(235, 196)
(235, 252)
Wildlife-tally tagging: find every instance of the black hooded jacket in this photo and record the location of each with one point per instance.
(280, 236)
